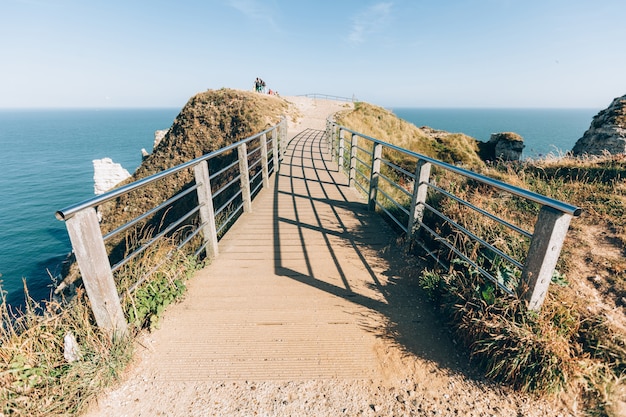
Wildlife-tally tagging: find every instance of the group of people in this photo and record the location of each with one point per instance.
(259, 87)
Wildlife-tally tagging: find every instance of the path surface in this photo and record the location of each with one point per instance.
(310, 309)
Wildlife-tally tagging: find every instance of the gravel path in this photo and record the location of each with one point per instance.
(407, 383)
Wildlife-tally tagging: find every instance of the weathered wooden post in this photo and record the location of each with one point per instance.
(376, 157)
(93, 261)
(328, 134)
(244, 173)
(265, 173)
(207, 211)
(282, 143)
(331, 140)
(543, 254)
(420, 191)
(275, 156)
(354, 143)
(340, 157)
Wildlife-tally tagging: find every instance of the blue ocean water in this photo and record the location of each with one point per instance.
(46, 164)
(544, 131)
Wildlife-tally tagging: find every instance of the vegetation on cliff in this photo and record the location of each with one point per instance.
(374, 121)
(577, 343)
(36, 379)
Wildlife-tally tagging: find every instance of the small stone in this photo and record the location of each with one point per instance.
(71, 350)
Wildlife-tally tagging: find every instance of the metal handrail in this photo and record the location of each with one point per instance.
(88, 242)
(328, 97)
(545, 244)
(67, 212)
(512, 189)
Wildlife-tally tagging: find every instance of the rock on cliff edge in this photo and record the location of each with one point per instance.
(607, 132)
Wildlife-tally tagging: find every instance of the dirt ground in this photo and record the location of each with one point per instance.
(405, 385)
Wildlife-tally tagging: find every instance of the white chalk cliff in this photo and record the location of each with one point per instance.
(107, 174)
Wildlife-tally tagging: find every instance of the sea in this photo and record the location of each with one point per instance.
(46, 164)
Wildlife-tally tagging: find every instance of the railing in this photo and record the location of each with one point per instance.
(329, 97)
(407, 204)
(233, 185)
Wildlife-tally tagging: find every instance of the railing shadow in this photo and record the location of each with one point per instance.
(310, 181)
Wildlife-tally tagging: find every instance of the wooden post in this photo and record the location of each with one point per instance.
(275, 156)
(95, 269)
(282, 142)
(354, 142)
(331, 139)
(265, 173)
(207, 211)
(340, 157)
(420, 191)
(544, 251)
(244, 173)
(376, 157)
(328, 133)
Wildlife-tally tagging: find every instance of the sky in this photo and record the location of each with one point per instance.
(393, 53)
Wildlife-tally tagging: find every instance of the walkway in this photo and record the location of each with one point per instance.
(310, 309)
(299, 290)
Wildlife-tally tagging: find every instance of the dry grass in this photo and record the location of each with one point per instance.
(577, 343)
(37, 379)
(383, 125)
(576, 346)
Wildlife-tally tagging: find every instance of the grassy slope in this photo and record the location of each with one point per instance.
(577, 343)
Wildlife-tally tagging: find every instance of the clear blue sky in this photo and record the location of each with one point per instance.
(415, 53)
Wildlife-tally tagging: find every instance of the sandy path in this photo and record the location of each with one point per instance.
(408, 382)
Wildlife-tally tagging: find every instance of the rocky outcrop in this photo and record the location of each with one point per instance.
(508, 146)
(607, 132)
(503, 146)
(107, 174)
(158, 137)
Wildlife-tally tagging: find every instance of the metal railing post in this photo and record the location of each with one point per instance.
(376, 157)
(543, 254)
(354, 142)
(86, 238)
(340, 157)
(265, 172)
(207, 211)
(244, 172)
(420, 191)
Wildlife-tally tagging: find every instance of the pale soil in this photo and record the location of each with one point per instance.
(405, 385)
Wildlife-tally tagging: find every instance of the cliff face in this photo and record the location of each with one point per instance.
(209, 121)
(607, 132)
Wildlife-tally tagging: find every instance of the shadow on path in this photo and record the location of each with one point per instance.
(321, 202)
